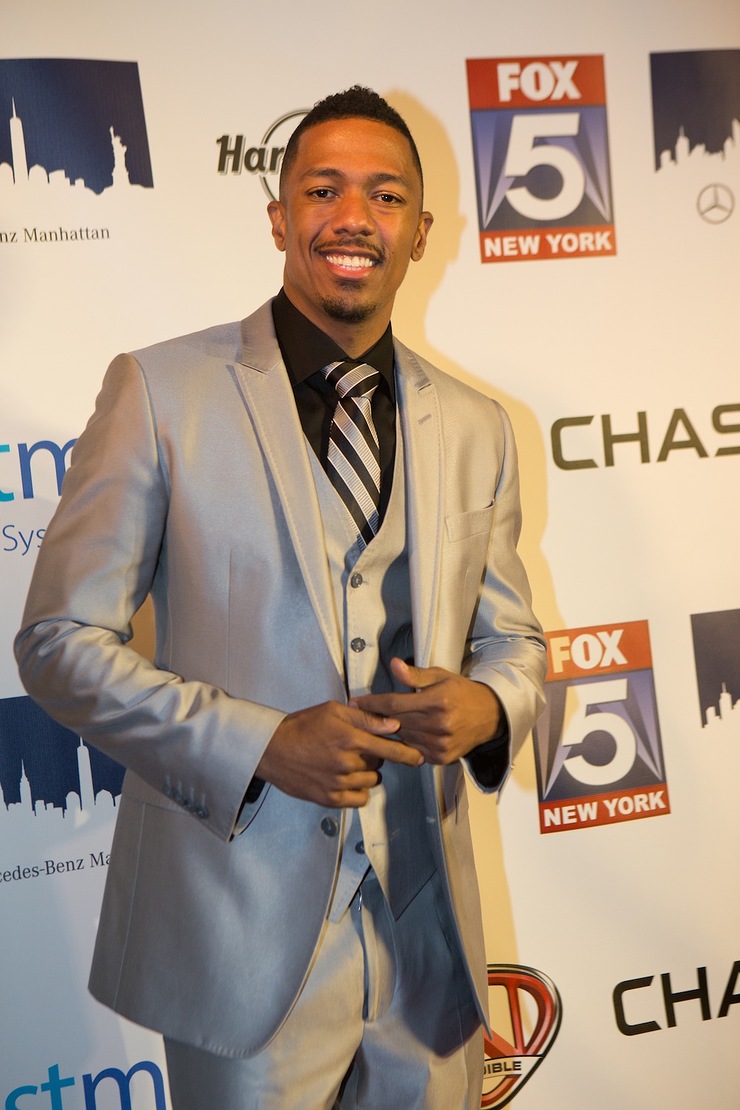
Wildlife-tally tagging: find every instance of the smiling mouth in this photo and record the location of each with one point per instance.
(355, 262)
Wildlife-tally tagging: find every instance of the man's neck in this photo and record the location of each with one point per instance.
(353, 338)
(355, 341)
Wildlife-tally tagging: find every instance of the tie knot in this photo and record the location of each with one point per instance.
(352, 379)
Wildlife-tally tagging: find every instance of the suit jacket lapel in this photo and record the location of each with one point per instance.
(267, 393)
(422, 437)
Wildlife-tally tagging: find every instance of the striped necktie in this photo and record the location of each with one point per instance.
(353, 460)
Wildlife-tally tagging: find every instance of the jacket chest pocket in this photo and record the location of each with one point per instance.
(472, 525)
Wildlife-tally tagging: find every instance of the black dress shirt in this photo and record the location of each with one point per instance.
(306, 350)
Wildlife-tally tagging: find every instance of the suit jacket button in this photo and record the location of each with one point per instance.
(330, 826)
(355, 580)
(358, 644)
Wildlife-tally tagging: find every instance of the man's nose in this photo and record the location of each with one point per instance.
(354, 214)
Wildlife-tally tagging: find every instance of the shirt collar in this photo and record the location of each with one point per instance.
(306, 349)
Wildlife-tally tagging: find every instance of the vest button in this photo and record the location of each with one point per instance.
(360, 847)
(358, 644)
(355, 580)
(330, 826)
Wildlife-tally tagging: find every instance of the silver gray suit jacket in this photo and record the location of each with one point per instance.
(192, 482)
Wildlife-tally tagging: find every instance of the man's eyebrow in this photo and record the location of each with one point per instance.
(380, 178)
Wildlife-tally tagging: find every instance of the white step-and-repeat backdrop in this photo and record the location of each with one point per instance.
(583, 165)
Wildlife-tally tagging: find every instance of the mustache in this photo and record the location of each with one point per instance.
(353, 243)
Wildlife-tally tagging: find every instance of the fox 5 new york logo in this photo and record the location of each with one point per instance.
(597, 746)
(541, 154)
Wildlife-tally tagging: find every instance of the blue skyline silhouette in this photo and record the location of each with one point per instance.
(697, 90)
(67, 107)
(717, 655)
(31, 742)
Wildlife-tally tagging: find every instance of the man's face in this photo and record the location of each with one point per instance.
(349, 220)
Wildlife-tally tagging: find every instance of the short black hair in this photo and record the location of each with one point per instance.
(357, 102)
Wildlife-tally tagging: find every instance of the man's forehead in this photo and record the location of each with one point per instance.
(332, 144)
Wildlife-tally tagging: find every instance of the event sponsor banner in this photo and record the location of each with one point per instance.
(136, 160)
(76, 183)
(717, 654)
(72, 124)
(263, 159)
(541, 157)
(75, 131)
(130, 1089)
(527, 1012)
(696, 125)
(597, 745)
(656, 999)
(582, 442)
(48, 774)
(59, 804)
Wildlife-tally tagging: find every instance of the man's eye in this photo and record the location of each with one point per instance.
(322, 192)
(389, 198)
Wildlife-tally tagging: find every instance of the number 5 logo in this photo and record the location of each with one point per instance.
(526, 153)
(585, 716)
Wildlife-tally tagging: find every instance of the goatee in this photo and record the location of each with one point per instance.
(347, 311)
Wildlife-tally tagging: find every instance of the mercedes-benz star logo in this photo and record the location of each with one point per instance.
(715, 204)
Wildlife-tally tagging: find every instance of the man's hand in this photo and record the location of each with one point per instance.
(331, 754)
(445, 717)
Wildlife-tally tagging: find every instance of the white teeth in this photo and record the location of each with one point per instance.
(353, 262)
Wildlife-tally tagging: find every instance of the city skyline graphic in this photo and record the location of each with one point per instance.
(73, 124)
(696, 106)
(47, 771)
(716, 639)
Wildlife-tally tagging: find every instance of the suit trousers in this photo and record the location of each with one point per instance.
(385, 1021)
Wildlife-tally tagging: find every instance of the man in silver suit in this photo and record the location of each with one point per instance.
(327, 526)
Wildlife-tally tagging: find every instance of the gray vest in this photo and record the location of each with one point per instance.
(373, 602)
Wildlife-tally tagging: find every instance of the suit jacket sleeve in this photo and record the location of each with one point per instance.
(506, 648)
(188, 740)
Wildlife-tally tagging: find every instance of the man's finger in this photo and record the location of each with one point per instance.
(393, 751)
(416, 677)
(394, 706)
(375, 723)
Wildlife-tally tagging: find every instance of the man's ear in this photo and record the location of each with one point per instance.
(276, 212)
(426, 219)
